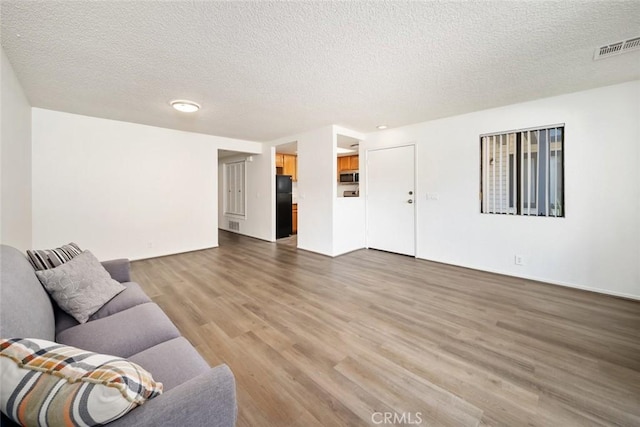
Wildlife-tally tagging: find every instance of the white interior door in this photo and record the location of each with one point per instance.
(390, 199)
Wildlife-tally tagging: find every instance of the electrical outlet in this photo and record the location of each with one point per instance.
(518, 260)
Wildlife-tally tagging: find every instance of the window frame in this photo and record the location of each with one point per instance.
(521, 155)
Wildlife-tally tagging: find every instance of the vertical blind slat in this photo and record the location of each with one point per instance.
(501, 175)
(493, 171)
(515, 174)
(521, 173)
(547, 174)
(528, 172)
(485, 177)
(485, 192)
(523, 182)
(537, 172)
(507, 176)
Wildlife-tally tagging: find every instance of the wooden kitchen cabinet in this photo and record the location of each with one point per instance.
(354, 163)
(348, 163)
(294, 218)
(344, 164)
(290, 166)
(279, 160)
(287, 164)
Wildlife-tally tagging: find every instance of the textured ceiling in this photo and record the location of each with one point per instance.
(263, 70)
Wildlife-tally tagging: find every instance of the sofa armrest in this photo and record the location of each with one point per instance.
(206, 400)
(118, 269)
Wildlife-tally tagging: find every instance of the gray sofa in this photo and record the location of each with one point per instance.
(129, 326)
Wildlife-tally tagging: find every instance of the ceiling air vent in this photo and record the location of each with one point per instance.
(617, 48)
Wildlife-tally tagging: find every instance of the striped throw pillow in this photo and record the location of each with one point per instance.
(43, 383)
(52, 258)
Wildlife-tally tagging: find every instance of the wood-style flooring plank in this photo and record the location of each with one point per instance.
(316, 341)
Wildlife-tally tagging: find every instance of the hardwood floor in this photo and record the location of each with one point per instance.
(315, 341)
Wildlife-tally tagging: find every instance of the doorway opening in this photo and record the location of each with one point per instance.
(348, 166)
(286, 193)
(232, 190)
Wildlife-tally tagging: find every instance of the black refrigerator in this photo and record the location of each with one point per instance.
(284, 185)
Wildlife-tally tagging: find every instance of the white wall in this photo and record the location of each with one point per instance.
(597, 245)
(15, 160)
(124, 189)
(349, 224)
(260, 180)
(316, 188)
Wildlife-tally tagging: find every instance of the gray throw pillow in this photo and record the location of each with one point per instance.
(81, 286)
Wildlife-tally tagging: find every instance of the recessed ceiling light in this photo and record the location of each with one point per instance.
(185, 106)
(381, 127)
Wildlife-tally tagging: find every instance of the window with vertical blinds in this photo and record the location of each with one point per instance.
(522, 172)
(235, 191)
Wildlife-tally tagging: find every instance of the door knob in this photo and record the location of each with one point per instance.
(410, 201)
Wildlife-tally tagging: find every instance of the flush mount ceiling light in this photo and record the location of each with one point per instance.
(185, 106)
(382, 127)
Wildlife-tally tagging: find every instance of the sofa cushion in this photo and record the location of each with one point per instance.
(80, 286)
(206, 400)
(172, 362)
(131, 296)
(25, 307)
(52, 258)
(122, 334)
(119, 269)
(43, 380)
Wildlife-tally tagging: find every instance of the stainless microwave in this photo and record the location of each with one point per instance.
(347, 177)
